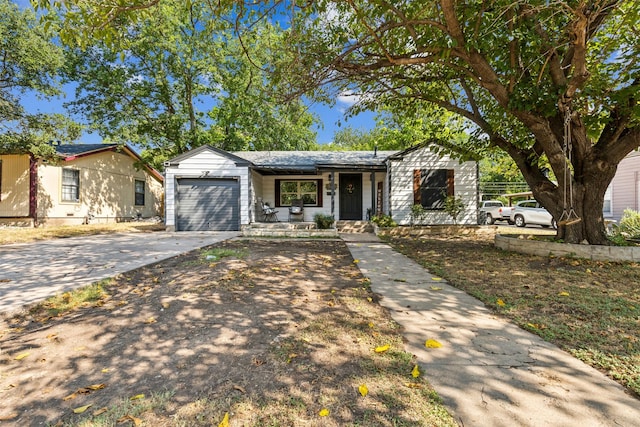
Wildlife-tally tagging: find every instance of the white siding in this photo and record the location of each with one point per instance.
(625, 186)
(210, 164)
(401, 183)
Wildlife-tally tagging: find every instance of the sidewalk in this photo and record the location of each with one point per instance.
(488, 372)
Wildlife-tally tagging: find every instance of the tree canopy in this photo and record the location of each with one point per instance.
(178, 78)
(29, 62)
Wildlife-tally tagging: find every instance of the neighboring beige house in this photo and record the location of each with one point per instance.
(212, 189)
(91, 183)
(624, 190)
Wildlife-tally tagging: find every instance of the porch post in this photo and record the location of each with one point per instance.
(373, 195)
(332, 180)
(33, 189)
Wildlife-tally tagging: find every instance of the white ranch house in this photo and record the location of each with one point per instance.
(211, 189)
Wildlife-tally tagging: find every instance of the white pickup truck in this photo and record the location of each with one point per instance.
(491, 211)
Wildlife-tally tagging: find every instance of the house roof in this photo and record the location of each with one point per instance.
(238, 160)
(73, 151)
(69, 150)
(311, 161)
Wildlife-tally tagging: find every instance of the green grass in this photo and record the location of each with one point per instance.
(216, 254)
(60, 304)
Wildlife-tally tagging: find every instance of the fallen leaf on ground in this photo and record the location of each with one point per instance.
(150, 320)
(99, 411)
(8, 417)
(96, 386)
(105, 370)
(137, 397)
(240, 389)
(436, 288)
(363, 389)
(382, 348)
(81, 409)
(415, 373)
(225, 420)
(134, 420)
(69, 397)
(432, 344)
(413, 385)
(564, 294)
(437, 279)
(323, 412)
(21, 356)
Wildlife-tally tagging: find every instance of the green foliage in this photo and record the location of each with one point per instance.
(630, 224)
(30, 62)
(418, 213)
(179, 78)
(384, 221)
(453, 206)
(323, 222)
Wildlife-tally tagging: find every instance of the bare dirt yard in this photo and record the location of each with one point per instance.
(266, 332)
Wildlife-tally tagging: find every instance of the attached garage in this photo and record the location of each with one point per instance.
(208, 204)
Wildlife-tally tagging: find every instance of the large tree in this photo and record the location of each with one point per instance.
(178, 78)
(552, 84)
(29, 62)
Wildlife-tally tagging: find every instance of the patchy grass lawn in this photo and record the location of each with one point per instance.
(590, 309)
(270, 332)
(10, 235)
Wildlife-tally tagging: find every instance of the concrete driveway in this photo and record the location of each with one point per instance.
(30, 272)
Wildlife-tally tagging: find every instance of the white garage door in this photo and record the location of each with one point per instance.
(208, 204)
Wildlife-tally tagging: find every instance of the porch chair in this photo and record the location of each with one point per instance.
(296, 209)
(268, 213)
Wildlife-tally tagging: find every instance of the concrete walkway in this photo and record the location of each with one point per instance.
(31, 272)
(488, 372)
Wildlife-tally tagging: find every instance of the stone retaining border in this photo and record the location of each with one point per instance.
(522, 244)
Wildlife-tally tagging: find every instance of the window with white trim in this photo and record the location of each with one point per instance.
(309, 190)
(70, 185)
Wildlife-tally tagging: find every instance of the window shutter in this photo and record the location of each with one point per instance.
(417, 173)
(450, 183)
(277, 191)
(319, 191)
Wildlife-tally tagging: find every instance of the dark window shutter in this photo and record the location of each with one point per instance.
(277, 201)
(450, 183)
(319, 191)
(417, 174)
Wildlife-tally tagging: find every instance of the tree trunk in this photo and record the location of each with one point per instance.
(588, 187)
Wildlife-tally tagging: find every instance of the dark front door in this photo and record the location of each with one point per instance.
(350, 196)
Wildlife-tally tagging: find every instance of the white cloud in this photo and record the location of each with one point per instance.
(349, 98)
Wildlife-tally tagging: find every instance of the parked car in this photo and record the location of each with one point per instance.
(531, 212)
(491, 211)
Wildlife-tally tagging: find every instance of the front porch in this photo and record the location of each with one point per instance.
(303, 229)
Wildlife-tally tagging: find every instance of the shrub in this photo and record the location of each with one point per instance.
(418, 213)
(384, 221)
(453, 206)
(630, 224)
(323, 222)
